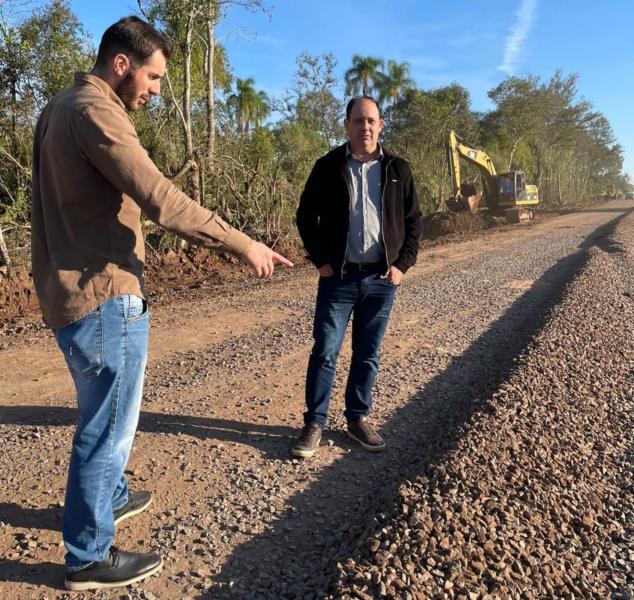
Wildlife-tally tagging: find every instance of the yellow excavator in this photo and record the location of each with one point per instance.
(505, 194)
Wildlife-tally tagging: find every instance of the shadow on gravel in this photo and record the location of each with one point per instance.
(297, 555)
(263, 437)
(50, 575)
(31, 518)
(268, 439)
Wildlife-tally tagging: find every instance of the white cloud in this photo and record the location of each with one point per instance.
(271, 41)
(517, 36)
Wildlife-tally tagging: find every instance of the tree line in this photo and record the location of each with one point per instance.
(213, 134)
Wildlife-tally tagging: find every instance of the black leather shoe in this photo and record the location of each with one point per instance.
(137, 502)
(119, 568)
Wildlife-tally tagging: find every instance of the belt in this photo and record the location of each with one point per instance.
(373, 267)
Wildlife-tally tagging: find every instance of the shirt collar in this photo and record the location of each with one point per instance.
(350, 155)
(103, 86)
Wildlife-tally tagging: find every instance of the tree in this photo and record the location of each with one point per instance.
(565, 147)
(512, 98)
(418, 131)
(364, 76)
(59, 46)
(213, 12)
(395, 81)
(5, 260)
(190, 24)
(177, 19)
(262, 108)
(251, 107)
(37, 59)
(316, 106)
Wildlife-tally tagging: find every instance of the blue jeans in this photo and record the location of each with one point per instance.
(106, 354)
(369, 299)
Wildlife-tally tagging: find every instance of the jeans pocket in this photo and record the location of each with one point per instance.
(137, 308)
(82, 345)
(385, 280)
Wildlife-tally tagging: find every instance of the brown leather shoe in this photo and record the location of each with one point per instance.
(306, 444)
(361, 431)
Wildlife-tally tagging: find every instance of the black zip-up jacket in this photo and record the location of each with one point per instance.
(323, 215)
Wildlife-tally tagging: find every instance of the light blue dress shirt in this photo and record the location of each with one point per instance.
(364, 234)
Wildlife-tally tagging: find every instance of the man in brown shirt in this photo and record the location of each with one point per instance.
(91, 180)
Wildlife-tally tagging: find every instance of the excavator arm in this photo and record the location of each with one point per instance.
(467, 197)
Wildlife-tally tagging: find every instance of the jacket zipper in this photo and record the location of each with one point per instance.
(345, 252)
(387, 263)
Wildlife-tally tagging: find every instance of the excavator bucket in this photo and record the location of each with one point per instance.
(464, 203)
(468, 199)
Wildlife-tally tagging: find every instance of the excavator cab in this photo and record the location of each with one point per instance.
(508, 185)
(512, 189)
(519, 194)
(515, 197)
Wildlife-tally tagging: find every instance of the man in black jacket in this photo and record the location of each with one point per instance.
(360, 223)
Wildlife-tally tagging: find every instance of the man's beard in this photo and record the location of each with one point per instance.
(127, 92)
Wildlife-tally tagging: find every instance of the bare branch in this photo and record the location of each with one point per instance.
(5, 260)
(174, 101)
(20, 166)
(142, 10)
(7, 191)
(186, 168)
(15, 225)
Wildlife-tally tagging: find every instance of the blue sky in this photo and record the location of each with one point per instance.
(475, 43)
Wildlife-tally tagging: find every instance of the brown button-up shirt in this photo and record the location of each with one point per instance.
(91, 179)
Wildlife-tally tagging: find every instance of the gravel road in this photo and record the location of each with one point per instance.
(505, 395)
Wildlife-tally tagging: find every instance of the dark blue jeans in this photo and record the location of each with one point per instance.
(368, 298)
(106, 353)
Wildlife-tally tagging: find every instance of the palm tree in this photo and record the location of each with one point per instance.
(395, 81)
(261, 109)
(364, 75)
(251, 107)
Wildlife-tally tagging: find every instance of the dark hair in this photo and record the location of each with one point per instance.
(133, 37)
(354, 100)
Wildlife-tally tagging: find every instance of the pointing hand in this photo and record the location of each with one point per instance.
(262, 260)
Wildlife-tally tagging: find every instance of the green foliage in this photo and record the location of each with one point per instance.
(37, 59)
(298, 147)
(58, 46)
(372, 76)
(395, 82)
(364, 76)
(315, 105)
(250, 106)
(567, 149)
(417, 128)
(19, 211)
